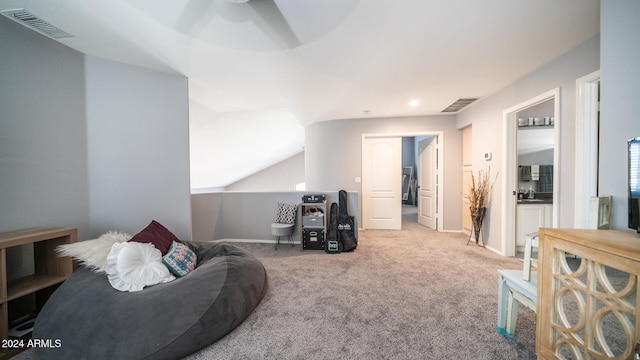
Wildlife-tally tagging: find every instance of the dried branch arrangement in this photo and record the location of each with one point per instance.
(480, 188)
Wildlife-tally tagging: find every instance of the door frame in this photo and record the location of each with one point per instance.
(586, 163)
(441, 165)
(510, 166)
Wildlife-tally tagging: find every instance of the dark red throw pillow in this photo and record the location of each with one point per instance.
(156, 234)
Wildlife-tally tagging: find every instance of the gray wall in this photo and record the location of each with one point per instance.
(408, 151)
(207, 216)
(333, 155)
(619, 98)
(89, 143)
(138, 137)
(249, 215)
(487, 119)
(43, 142)
(544, 157)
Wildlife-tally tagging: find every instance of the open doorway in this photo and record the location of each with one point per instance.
(511, 172)
(410, 177)
(421, 202)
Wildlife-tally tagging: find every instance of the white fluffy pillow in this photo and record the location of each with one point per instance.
(133, 265)
(93, 253)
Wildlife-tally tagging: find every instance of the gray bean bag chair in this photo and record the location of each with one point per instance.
(164, 321)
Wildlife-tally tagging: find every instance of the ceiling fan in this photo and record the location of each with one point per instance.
(254, 25)
(245, 24)
(266, 15)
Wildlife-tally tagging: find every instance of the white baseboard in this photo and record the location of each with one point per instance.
(256, 241)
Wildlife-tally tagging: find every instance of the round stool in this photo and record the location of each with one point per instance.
(279, 229)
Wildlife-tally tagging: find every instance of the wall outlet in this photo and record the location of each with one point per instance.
(487, 156)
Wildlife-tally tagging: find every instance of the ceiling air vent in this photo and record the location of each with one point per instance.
(27, 19)
(459, 104)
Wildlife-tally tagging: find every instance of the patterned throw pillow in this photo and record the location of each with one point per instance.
(180, 259)
(286, 213)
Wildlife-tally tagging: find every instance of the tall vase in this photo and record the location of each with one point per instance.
(477, 216)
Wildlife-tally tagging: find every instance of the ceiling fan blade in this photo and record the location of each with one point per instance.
(270, 20)
(193, 17)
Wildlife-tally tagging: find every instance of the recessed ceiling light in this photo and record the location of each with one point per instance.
(414, 103)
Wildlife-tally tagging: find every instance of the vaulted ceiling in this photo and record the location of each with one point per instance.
(259, 72)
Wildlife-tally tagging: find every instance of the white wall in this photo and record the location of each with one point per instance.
(138, 136)
(43, 159)
(333, 155)
(282, 176)
(619, 98)
(487, 119)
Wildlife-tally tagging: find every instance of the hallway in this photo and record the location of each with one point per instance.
(409, 213)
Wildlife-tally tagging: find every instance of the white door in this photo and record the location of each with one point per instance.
(382, 183)
(428, 182)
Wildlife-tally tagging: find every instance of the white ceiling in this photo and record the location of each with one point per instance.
(252, 93)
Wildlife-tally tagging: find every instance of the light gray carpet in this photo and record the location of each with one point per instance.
(410, 294)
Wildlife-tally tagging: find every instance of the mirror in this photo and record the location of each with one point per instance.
(407, 177)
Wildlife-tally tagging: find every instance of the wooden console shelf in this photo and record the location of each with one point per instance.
(588, 294)
(49, 270)
(29, 284)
